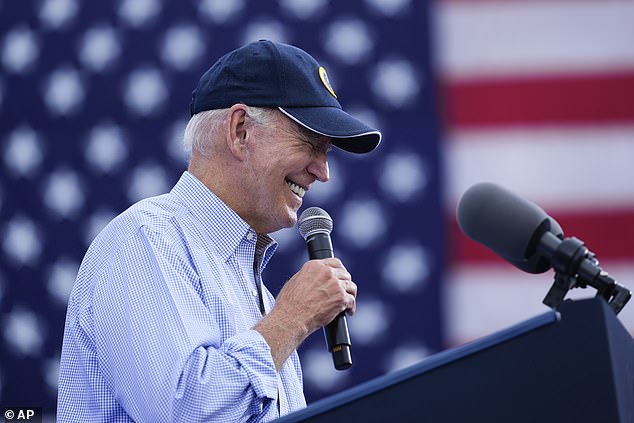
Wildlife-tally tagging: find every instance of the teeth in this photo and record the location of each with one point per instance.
(296, 189)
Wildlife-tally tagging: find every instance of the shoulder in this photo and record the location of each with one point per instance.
(154, 220)
(155, 213)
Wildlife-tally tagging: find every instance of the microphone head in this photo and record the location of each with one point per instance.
(507, 224)
(314, 220)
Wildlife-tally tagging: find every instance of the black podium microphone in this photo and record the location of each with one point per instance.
(522, 233)
(315, 226)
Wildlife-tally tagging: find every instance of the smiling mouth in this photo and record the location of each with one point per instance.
(297, 190)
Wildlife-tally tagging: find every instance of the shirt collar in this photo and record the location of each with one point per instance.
(265, 247)
(218, 220)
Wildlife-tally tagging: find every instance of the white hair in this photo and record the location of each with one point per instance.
(199, 129)
(203, 125)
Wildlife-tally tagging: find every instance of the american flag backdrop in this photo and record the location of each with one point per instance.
(537, 96)
(95, 98)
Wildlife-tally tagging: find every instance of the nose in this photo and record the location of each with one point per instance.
(318, 167)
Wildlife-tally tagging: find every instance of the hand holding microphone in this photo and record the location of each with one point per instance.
(319, 295)
(315, 226)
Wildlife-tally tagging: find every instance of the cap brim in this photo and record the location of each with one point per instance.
(347, 132)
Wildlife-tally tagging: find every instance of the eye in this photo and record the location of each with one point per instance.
(319, 146)
(313, 146)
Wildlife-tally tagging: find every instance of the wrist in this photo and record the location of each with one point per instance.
(282, 333)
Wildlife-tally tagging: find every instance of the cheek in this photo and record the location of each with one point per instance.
(265, 184)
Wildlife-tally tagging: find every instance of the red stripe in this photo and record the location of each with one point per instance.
(609, 234)
(546, 100)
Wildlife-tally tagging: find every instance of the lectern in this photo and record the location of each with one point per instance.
(574, 365)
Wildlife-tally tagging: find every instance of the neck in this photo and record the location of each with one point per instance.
(224, 181)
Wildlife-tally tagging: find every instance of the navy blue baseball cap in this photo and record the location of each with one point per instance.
(270, 74)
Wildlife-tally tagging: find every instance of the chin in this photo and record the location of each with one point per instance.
(287, 221)
(291, 219)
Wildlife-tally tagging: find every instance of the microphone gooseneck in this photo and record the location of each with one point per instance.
(315, 225)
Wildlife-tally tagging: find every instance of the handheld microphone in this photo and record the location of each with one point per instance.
(315, 226)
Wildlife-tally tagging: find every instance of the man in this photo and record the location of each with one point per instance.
(168, 319)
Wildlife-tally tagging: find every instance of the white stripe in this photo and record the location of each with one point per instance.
(481, 300)
(523, 37)
(362, 134)
(559, 168)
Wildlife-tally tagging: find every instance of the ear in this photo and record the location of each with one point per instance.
(236, 134)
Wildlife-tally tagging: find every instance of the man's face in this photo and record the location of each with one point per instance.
(284, 161)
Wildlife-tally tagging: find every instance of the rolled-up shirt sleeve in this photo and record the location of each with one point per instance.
(159, 345)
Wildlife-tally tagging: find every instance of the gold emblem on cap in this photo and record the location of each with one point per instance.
(324, 80)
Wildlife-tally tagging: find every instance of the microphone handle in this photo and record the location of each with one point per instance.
(336, 332)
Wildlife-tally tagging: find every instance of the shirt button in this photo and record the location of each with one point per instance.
(254, 292)
(250, 236)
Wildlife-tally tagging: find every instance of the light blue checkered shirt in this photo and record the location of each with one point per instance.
(159, 321)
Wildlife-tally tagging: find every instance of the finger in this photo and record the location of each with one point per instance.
(351, 305)
(342, 274)
(339, 270)
(350, 287)
(350, 302)
(334, 262)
